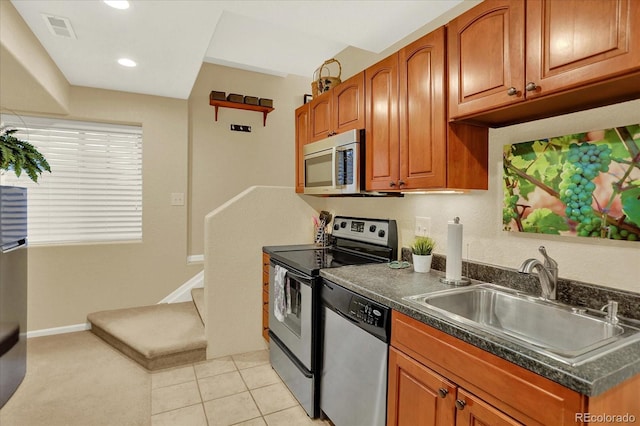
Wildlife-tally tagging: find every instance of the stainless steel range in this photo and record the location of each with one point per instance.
(294, 297)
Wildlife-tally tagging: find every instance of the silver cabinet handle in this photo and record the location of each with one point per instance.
(512, 91)
(530, 87)
(443, 392)
(460, 404)
(392, 184)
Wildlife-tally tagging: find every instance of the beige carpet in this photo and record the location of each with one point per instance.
(155, 336)
(76, 379)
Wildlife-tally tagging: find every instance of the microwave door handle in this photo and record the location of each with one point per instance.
(334, 176)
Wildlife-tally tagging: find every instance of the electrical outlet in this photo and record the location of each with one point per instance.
(177, 198)
(423, 226)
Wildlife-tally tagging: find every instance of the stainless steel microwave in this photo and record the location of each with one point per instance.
(332, 165)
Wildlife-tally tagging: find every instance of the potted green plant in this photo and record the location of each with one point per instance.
(422, 250)
(20, 156)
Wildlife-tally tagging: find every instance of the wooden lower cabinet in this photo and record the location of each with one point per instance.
(437, 379)
(265, 295)
(418, 396)
(472, 411)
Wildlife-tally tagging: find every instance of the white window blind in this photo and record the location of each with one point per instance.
(94, 190)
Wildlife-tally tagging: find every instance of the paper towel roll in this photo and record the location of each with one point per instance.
(454, 250)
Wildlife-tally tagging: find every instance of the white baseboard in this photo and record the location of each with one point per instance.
(59, 330)
(183, 293)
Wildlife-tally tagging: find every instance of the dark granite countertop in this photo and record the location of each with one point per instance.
(388, 286)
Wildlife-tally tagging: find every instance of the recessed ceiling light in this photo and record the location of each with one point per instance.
(118, 4)
(126, 62)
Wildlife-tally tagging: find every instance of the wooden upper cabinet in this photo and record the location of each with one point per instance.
(504, 53)
(571, 43)
(382, 132)
(486, 57)
(348, 104)
(422, 108)
(338, 110)
(302, 137)
(409, 144)
(320, 117)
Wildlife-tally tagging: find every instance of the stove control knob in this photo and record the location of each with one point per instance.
(372, 228)
(336, 226)
(381, 233)
(343, 224)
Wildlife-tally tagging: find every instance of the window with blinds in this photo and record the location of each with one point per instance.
(94, 190)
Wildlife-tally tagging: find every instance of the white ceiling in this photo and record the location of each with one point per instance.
(170, 39)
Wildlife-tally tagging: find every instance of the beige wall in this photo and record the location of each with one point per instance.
(68, 282)
(42, 86)
(224, 163)
(233, 276)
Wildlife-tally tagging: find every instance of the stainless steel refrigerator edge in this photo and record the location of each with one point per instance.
(13, 290)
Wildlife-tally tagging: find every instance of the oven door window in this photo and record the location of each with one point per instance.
(292, 320)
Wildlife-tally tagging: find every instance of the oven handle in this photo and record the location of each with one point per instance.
(306, 280)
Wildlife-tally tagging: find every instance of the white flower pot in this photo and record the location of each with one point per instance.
(422, 263)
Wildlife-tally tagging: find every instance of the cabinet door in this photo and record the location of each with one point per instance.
(417, 396)
(348, 104)
(302, 137)
(472, 411)
(382, 133)
(423, 139)
(571, 43)
(320, 117)
(486, 57)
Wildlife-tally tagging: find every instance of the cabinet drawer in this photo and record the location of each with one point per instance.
(520, 393)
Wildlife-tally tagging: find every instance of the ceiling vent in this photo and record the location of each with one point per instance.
(59, 26)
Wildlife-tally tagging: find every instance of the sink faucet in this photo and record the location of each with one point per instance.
(547, 273)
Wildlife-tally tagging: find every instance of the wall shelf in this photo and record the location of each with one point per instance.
(236, 105)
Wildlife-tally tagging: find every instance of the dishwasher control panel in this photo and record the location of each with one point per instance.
(372, 317)
(366, 311)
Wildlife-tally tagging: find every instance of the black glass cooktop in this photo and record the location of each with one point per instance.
(312, 260)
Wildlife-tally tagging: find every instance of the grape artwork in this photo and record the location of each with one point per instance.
(585, 184)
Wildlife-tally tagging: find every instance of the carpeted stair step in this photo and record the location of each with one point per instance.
(197, 294)
(157, 336)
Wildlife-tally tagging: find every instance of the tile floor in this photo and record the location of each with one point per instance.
(235, 390)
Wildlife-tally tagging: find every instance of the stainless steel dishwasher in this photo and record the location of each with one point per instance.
(355, 334)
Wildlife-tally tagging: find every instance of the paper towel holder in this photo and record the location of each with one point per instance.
(463, 281)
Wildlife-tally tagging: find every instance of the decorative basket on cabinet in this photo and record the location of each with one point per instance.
(320, 83)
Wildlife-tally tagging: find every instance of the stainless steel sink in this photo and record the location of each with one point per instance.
(567, 334)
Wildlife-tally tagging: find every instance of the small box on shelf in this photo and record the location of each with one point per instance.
(234, 97)
(217, 96)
